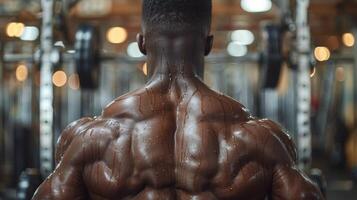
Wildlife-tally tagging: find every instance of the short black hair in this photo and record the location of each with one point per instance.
(177, 15)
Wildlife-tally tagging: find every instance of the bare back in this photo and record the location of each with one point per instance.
(168, 142)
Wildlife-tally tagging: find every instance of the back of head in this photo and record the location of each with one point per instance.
(176, 16)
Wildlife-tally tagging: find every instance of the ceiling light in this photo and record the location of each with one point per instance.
(21, 73)
(14, 29)
(237, 50)
(117, 35)
(242, 37)
(322, 54)
(30, 33)
(348, 39)
(256, 5)
(59, 78)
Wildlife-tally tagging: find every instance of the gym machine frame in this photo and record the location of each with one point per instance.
(46, 89)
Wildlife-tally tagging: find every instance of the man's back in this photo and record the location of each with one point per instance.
(175, 140)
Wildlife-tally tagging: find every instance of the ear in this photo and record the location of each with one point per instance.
(209, 44)
(141, 42)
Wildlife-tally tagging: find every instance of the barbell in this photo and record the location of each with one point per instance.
(88, 56)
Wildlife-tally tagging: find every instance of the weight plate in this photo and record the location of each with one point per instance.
(87, 47)
(272, 59)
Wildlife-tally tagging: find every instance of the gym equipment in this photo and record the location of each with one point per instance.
(272, 59)
(46, 89)
(29, 180)
(87, 56)
(317, 176)
(303, 85)
(352, 142)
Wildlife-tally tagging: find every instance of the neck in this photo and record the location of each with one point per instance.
(175, 58)
(173, 68)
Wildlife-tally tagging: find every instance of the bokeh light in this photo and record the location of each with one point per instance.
(73, 82)
(21, 73)
(145, 69)
(237, 50)
(59, 78)
(30, 33)
(322, 53)
(14, 29)
(117, 35)
(256, 5)
(134, 51)
(348, 39)
(243, 37)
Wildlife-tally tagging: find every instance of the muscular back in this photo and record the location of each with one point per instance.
(173, 140)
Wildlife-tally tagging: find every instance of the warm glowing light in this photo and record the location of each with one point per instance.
(340, 74)
(59, 78)
(21, 73)
(117, 35)
(14, 29)
(348, 39)
(313, 72)
(73, 82)
(322, 53)
(145, 69)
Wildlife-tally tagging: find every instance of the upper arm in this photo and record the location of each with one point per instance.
(65, 182)
(291, 183)
(67, 136)
(288, 181)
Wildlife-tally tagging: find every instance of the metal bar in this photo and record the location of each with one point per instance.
(326, 101)
(355, 79)
(13, 58)
(2, 132)
(46, 89)
(214, 58)
(303, 86)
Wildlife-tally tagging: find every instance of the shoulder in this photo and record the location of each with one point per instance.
(217, 106)
(267, 139)
(69, 133)
(88, 133)
(132, 105)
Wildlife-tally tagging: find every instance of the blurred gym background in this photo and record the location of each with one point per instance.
(293, 61)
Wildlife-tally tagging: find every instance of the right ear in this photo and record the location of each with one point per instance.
(141, 42)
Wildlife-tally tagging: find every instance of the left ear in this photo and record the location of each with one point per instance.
(141, 42)
(209, 44)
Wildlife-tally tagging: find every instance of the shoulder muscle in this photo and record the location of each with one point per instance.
(68, 134)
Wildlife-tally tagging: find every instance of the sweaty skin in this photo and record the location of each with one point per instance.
(175, 139)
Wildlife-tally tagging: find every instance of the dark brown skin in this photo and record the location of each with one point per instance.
(175, 139)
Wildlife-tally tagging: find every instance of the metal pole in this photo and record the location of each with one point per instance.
(303, 85)
(2, 145)
(355, 79)
(46, 89)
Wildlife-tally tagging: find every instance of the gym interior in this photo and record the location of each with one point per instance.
(291, 61)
